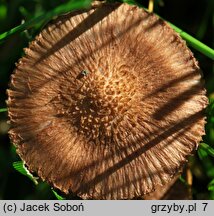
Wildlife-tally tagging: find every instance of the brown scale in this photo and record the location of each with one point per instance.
(101, 101)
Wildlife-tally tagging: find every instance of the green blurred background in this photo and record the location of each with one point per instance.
(196, 17)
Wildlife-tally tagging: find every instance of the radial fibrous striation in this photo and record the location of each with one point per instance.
(106, 103)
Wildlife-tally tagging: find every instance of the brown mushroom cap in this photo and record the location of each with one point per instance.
(106, 103)
(173, 190)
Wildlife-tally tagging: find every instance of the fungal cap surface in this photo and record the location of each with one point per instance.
(106, 103)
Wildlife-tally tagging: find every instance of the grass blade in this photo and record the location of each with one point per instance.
(211, 186)
(64, 8)
(20, 167)
(74, 5)
(57, 195)
(207, 148)
(3, 110)
(193, 42)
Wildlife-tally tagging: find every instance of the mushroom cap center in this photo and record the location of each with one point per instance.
(100, 98)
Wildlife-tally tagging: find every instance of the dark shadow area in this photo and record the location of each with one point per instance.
(162, 135)
(177, 101)
(96, 16)
(85, 25)
(186, 76)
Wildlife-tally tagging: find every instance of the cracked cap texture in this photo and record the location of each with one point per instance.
(106, 103)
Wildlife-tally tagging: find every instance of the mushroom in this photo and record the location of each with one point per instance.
(107, 103)
(173, 190)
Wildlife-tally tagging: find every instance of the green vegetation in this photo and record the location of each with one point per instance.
(20, 22)
(20, 167)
